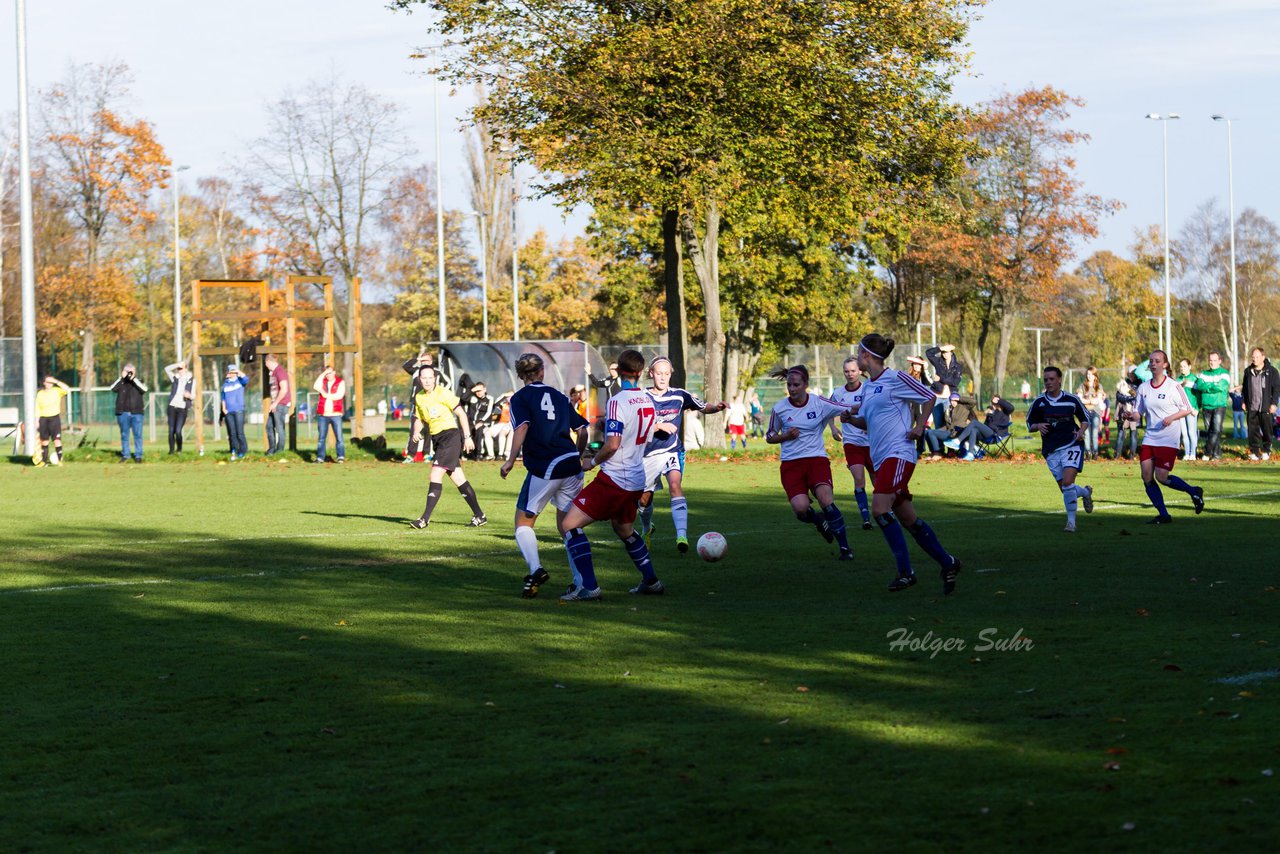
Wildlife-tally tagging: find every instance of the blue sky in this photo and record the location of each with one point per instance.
(205, 71)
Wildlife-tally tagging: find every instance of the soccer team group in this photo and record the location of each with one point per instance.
(880, 414)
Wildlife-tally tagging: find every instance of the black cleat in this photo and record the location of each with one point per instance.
(949, 574)
(419, 523)
(649, 588)
(866, 526)
(533, 581)
(478, 521)
(902, 582)
(825, 530)
(845, 554)
(1197, 500)
(1161, 520)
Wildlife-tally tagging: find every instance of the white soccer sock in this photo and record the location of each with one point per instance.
(528, 543)
(680, 516)
(1070, 494)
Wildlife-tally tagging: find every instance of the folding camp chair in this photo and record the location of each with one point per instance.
(998, 447)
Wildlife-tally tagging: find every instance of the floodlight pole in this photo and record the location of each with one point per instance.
(1039, 364)
(1168, 309)
(484, 279)
(515, 256)
(177, 268)
(435, 99)
(1231, 223)
(1159, 327)
(26, 243)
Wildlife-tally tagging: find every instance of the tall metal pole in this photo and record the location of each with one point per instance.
(26, 243)
(933, 320)
(1231, 223)
(1168, 311)
(484, 279)
(177, 269)
(435, 97)
(515, 258)
(1039, 363)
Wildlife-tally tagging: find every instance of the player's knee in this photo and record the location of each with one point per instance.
(884, 520)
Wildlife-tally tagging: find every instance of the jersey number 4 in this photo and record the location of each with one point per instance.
(548, 407)
(647, 417)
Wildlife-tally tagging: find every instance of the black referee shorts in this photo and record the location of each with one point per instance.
(446, 449)
(50, 427)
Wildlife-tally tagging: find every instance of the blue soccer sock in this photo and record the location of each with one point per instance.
(646, 516)
(928, 540)
(579, 549)
(861, 495)
(835, 522)
(897, 542)
(1157, 497)
(680, 516)
(640, 556)
(1179, 484)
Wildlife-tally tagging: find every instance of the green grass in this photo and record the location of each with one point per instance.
(264, 656)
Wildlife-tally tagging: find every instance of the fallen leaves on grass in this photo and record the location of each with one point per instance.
(1117, 751)
(1173, 668)
(803, 689)
(341, 623)
(1248, 695)
(139, 596)
(329, 731)
(304, 637)
(1143, 612)
(1128, 825)
(1111, 766)
(784, 721)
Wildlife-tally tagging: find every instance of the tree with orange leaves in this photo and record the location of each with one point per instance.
(99, 169)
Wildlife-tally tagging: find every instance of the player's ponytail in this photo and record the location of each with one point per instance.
(877, 345)
(783, 373)
(528, 366)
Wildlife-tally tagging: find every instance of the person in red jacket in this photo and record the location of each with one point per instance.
(333, 391)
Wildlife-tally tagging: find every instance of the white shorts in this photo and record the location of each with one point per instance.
(658, 465)
(1072, 456)
(538, 491)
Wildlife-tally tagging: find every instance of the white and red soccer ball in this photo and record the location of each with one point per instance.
(712, 547)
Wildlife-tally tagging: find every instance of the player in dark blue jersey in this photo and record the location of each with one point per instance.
(664, 455)
(1061, 420)
(543, 421)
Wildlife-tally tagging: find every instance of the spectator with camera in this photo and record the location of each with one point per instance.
(129, 402)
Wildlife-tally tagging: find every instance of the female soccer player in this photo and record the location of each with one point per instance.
(799, 423)
(1062, 420)
(857, 446)
(664, 454)
(893, 412)
(1165, 403)
(435, 407)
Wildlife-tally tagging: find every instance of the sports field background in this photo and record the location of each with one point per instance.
(265, 656)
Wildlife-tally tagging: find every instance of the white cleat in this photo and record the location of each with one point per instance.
(1071, 528)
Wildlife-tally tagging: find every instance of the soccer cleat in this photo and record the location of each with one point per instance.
(649, 588)
(866, 526)
(408, 461)
(825, 530)
(1253, 457)
(1070, 528)
(1161, 520)
(419, 523)
(648, 534)
(533, 581)
(1087, 499)
(845, 554)
(1197, 500)
(682, 544)
(581, 594)
(478, 521)
(37, 461)
(902, 582)
(1266, 456)
(949, 576)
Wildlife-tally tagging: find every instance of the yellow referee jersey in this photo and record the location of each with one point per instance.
(435, 409)
(49, 401)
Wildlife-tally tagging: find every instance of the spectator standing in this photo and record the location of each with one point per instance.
(736, 423)
(1237, 414)
(578, 397)
(1191, 424)
(757, 416)
(1026, 391)
(500, 426)
(129, 391)
(611, 384)
(49, 411)
(232, 393)
(278, 406)
(1126, 399)
(1094, 400)
(181, 382)
(480, 409)
(414, 450)
(333, 393)
(1260, 388)
(1214, 387)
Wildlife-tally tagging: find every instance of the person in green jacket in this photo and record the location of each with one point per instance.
(1214, 386)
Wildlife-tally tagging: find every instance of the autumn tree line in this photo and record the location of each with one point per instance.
(760, 174)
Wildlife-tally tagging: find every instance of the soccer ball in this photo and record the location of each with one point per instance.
(712, 547)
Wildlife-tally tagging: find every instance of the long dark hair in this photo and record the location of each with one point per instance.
(783, 373)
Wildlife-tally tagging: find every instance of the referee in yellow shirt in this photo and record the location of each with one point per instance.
(436, 407)
(49, 411)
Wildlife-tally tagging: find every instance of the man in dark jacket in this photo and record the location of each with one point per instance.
(949, 371)
(480, 412)
(129, 391)
(1261, 388)
(996, 426)
(414, 451)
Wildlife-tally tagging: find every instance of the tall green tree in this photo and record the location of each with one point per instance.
(708, 109)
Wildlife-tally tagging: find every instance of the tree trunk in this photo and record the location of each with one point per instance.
(673, 284)
(86, 375)
(704, 253)
(1007, 326)
(732, 369)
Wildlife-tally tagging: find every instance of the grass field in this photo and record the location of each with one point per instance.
(265, 656)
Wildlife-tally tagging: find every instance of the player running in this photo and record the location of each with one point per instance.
(436, 406)
(799, 423)
(857, 445)
(1164, 402)
(544, 419)
(893, 412)
(664, 455)
(615, 491)
(1062, 420)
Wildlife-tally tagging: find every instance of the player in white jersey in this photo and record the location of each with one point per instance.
(1062, 420)
(893, 412)
(857, 445)
(664, 455)
(1163, 400)
(799, 424)
(614, 493)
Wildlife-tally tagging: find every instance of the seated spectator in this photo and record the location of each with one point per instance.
(995, 426)
(957, 417)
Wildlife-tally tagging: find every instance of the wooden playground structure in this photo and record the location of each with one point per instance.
(289, 350)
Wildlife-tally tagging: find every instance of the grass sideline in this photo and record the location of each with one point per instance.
(265, 656)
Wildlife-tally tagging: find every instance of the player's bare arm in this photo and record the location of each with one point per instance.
(467, 444)
(517, 442)
(917, 429)
(608, 449)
